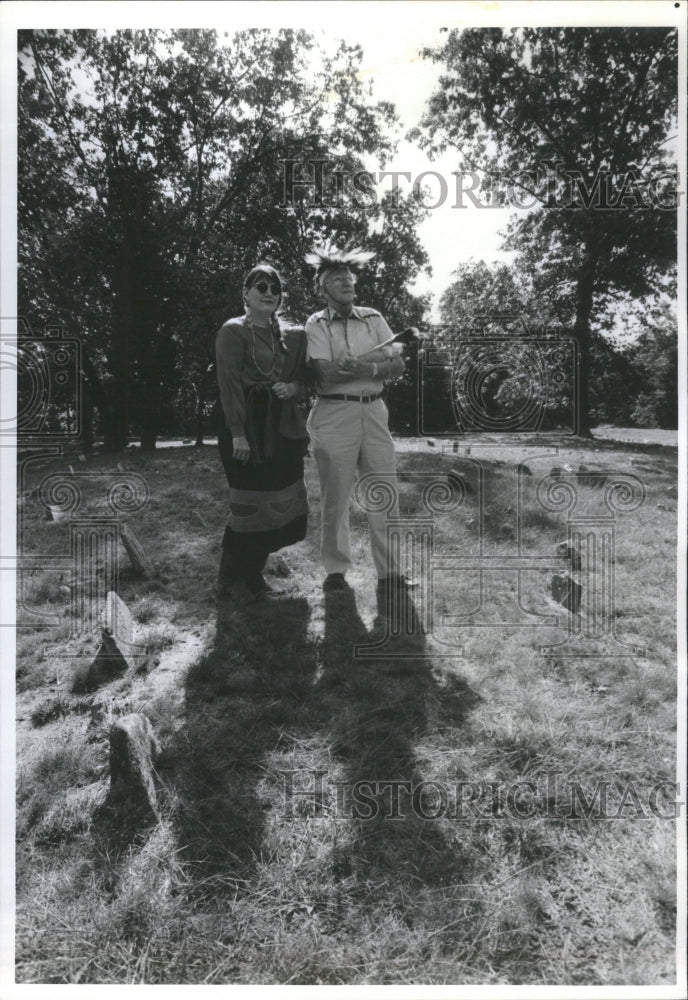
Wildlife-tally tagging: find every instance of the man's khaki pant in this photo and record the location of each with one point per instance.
(349, 437)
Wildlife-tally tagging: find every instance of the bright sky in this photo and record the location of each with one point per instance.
(450, 234)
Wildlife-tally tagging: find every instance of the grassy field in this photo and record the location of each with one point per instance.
(407, 814)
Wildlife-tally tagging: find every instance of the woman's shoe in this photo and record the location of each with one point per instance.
(260, 588)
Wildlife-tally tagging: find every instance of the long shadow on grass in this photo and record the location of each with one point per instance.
(255, 681)
(259, 685)
(377, 688)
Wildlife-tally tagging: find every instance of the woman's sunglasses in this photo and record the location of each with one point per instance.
(263, 286)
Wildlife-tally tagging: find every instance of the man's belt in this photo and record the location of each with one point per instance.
(352, 399)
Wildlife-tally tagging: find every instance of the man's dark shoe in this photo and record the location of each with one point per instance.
(334, 581)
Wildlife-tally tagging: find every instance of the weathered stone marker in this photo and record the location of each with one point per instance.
(118, 621)
(133, 749)
(55, 513)
(591, 477)
(567, 592)
(135, 551)
(277, 566)
(116, 651)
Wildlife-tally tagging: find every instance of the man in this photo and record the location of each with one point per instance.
(348, 425)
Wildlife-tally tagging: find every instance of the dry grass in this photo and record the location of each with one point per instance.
(237, 882)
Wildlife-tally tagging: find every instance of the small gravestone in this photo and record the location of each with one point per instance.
(133, 749)
(567, 592)
(590, 477)
(118, 621)
(109, 663)
(570, 552)
(55, 513)
(277, 566)
(135, 551)
(116, 651)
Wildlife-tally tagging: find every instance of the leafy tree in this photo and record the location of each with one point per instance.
(654, 357)
(151, 180)
(576, 120)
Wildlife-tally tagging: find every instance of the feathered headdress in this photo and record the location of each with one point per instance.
(327, 258)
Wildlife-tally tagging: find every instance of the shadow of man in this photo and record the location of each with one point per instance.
(383, 691)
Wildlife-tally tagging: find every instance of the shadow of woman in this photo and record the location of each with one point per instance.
(383, 690)
(254, 682)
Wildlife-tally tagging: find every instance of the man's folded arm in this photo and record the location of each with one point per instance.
(327, 374)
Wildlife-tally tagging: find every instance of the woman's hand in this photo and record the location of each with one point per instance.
(284, 390)
(242, 451)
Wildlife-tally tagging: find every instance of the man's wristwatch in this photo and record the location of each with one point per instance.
(374, 369)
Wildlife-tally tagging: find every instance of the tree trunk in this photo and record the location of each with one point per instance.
(584, 300)
(149, 414)
(200, 407)
(148, 438)
(115, 424)
(148, 405)
(90, 387)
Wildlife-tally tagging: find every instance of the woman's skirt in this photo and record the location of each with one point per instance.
(268, 501)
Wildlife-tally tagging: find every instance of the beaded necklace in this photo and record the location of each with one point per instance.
(253, 343)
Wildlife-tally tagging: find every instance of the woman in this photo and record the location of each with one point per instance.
(263, 439)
